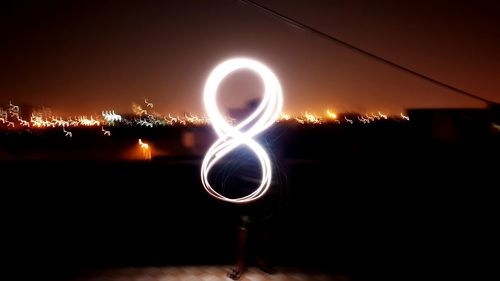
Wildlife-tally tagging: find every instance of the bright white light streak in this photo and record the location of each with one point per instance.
(106, 132)
(405, 117)
(144, 123)
(68, 133)
(363, 120)
(348, 120)
(230, 137)
(111, 116)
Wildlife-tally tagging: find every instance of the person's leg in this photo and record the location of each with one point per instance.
(240, 268)
(264, 249)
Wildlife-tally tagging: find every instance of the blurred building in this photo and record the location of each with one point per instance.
(452, 124)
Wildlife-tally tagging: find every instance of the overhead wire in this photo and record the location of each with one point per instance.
(302, 26)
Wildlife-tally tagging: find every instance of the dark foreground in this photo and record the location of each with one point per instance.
(373, 206)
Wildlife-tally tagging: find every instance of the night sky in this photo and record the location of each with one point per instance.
(87, 56)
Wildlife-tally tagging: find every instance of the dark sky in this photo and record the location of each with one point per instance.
(88, 56)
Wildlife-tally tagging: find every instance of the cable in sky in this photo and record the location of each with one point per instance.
(297, 24)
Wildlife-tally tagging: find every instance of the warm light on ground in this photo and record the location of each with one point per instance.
(146, 151)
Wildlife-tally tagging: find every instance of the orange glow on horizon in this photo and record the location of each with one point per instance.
(330, 114)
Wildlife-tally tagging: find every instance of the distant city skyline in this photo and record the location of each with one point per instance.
(87, 56)
(231, 111)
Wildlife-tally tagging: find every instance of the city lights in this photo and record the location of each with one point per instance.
(111, 116)
(312, 118)
(382, 115)
(11, 118)
(331, 114)
(284, 117)
(148, 104)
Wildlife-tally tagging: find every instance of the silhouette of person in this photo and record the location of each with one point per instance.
(257, 221)
(262, 251)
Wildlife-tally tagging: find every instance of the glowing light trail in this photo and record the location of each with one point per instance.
(311, 118)
(24, 123)
(284, 117)
(68, 133)
(11, 117)
(148, 104)
(14, 108)
(111, 116)
(146, 152)
(363, 120)
(331, 114)
(106, 132)
(230, 137)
